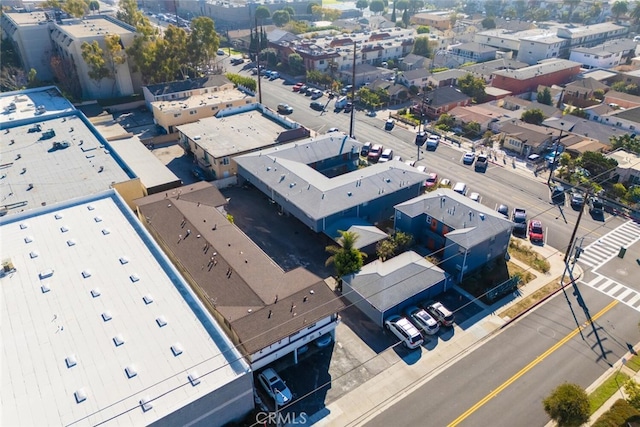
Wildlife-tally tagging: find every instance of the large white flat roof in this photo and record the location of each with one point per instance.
(26, 103)
(107, 281)
(33, 173)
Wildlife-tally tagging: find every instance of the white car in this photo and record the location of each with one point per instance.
(405, 331)
(440, 313)
(387, 155)
(275, 387)
(333, 130)
(468, 158)
(475, 197)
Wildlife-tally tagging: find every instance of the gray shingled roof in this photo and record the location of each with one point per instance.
(631, 114)
(475, 47)
(471, 222)
(285, 169)
(386, 284)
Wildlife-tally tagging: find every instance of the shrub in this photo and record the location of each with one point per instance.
(620, 414)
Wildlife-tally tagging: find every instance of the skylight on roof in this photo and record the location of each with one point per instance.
(146, 404)
(130, 371)
(97, 219)
(176, 349)
(118, 340)
(58, 216)
(148, 299)
(80, 395)
(106, 316)
(95, 292)
(194, 378)
(70, 361)
(90, 207)
(161, 321)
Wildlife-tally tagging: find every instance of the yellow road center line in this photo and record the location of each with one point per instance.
(530, 366)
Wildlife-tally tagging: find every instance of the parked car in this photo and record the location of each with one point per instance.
(577, 200)
(324, 340)
(237, 61)
(504, 210)
(519, 219)
(558, 195)
(302, 88)
(389, 124)
(461, 188)
(348, 107)
(284, 109)
(432, 180)
(220, 52)
(318, 106)
(296, 87)
(346, 89)
(432, 142)
(482, 161)
(316, 94)
(274, 75)
(421, 138)
(439, 312)
(405, 331)
(536, 233)
(333, 130)
(444, 182)
(364, 151)
(475, 197)
(387, 154)
(275, 387)
(596, 206)
(423, 320)
(374, 153)
(468, 158)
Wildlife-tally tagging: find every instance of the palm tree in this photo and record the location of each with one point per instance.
(345, 257)
(619, 8)
(635, 14)
(572, 4)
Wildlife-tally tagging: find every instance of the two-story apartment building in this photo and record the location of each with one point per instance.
(472, 52)
(547, 73)
(466, 235)
(441, 22)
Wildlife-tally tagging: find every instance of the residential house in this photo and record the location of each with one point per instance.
(624, 119)
(446, 78)
(318, 181)
(546, 73)
(465, 234)
(485, 115)
(580, 93)
(441, 22)
(266, 312)
(397, 92)
(442, 100)
(472, 52)
(555, 91)
(577, 145)
(366, 74)
(384, 288)
(617, 99)
(418, 77)
(187, 101)
(526, 139)
(413, 62)
(628, 169)
(586, 128)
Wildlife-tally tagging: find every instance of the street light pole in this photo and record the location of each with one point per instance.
(555, 154)
(353, 92)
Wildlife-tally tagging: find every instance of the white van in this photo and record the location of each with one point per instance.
(461, 188)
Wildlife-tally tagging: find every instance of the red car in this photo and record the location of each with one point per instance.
(297, 86)
(432, 180)
(536, 233)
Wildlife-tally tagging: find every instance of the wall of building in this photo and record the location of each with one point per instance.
(533, 51)
(173, 116)
(589, 60)
(457, 260)
(517, 86)
(33, 44)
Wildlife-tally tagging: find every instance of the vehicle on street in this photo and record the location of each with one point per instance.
(346, 89)
(220, 52)
(577, 200)
(374, 153)
(371, 113)
(348, 107)
(461, 188)
(316, 94)
(410, 162)
(421, 138)
(389, 124)
(558, 195)
(302, 88)
(341, 103)
(387, 155)
(536, 233)
(285, 109)
(432, 142)
(309, 91)
(596, 206)
(237, 61)
(324, 340)
(444, 182)
(475, 197)
(318, 106)
(364, 151)
(274, 75)
(439, 312)
(432, 180)
(296, 87)
(402, 328)
(482, 161)
(423, 320)
(468, 158)
(519, 219)
(333, 130)
(504, 210)
(275, 387)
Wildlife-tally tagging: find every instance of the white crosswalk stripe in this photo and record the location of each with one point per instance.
(615, 290)
(606, 247)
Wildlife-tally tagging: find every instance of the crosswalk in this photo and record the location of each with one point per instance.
(606, 247)
(616, 290)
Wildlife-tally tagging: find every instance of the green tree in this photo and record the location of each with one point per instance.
(94, 5)
(247, 82)
(445, 122)
(423, 29)
(376, 6)
(534, 116)
(262, 13)
(572, 4)
(627, 142)
(331, 14)
(369, 98)
(346, 258)
(393, 14)
(385, 249)
(493, 7)
(635, 13)
(422, 47)
(280, 18)
(598, 94)
(362, 4)
(619, 7)
(93, 55)
(296, 64)
(618, 190)
(172, 56)
(415, 5)
(114, 53)
(202, 42)
(473, 86)
(310, 7)
(290, 11)
(596, 163)
(77, 8)
(471, 129)
(405, 18)
(544, 97)
(128, 13)
(568, 405)
(488, 23)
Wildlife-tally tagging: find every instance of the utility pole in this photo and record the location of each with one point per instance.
(555, 155)
(353, 92)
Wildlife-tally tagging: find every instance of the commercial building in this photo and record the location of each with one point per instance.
(267, 312)
(99, 327)
(465, 234)
(383, 288)
(547, 73)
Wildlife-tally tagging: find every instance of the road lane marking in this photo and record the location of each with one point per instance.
(530, 366)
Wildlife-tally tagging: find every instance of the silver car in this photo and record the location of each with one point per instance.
(423, 320)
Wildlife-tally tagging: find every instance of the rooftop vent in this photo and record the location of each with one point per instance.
(176, 349)
(90, 207)
(130, 371)
(33, 254)
(45, 288)
(194, 378)
(97, 219)
(28, 239)
(145, 403)
(46, 273)
(124, 260)
(24, 225)
(64, 229)
(71, 361)
(106, 316)
(71, 242)
(58, 216)
(161, 321)
(80, 395)
(106, 231)
(118, 340)
(148, 299)
(86, 273)
(95, 293)
(134, 277)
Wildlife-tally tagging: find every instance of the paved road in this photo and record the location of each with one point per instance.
(510, 358)
(497, 185)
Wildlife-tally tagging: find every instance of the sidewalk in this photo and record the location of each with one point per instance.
(391, 385)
